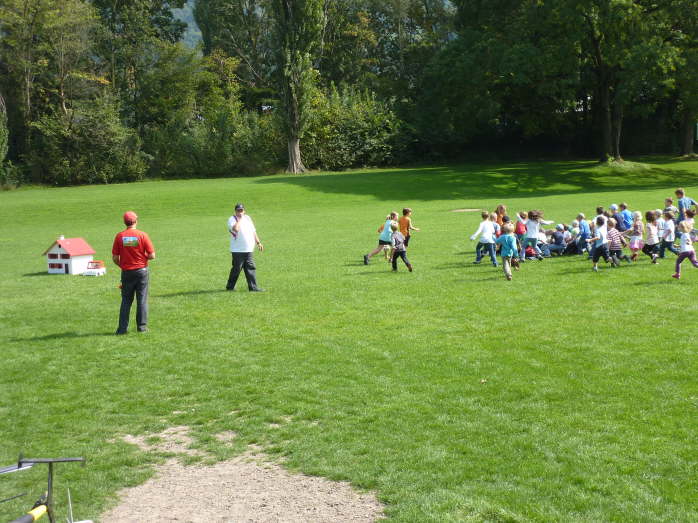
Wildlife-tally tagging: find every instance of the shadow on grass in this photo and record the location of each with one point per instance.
(497, 276)
(384, 270)
(454, 265)
(31, 274)
(500, 180)
(668, 281)
(189, 293)
(62, 335)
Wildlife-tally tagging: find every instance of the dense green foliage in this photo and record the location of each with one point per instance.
(349, 128)
(587, 78)
(563, 395)
(89, 146)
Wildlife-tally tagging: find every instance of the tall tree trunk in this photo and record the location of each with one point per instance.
(606, 121)
(688, 125)
(4, 131)
(295, 161)
(617, 127)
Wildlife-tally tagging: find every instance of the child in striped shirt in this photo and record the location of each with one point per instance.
(616, 242)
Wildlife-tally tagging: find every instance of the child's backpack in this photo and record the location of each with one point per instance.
(520, 228)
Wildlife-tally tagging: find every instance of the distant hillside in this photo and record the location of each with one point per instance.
(192, 36)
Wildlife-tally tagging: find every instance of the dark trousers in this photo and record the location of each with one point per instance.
(651, 250)
(486, 248)
(601, 251)
(667, 246)
(134, 283)
(400, 254)
(242, 260)
(618, 254)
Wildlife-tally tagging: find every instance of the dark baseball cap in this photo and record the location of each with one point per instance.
(239, 207)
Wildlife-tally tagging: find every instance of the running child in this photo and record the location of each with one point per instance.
(399, 247)
(501, 212)
(405, 224)
(384, 240)
(687, 250)
(509, 252)
(535, 220)
(651, 247)
(616, 242)
(486, 231)
(668, 236)
(520, 231)
(635, 232)
(600, 240)
(690, 219)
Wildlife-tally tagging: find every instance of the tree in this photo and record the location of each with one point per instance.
(70, 32)
(685, 37)
(241, 29)
(21, 24)
(297, 30)
(4, 132)
(626, 54)
(132, 28)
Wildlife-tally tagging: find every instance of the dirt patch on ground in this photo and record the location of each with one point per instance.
(174, 439)
(466, 210)
(244, 489)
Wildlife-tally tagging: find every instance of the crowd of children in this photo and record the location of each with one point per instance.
(604, 236)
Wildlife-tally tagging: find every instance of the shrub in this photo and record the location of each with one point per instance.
(89, 145)
(350, 129)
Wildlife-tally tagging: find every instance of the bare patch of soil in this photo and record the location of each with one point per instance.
(173, 439)
(466, 210)
(226, 436)
(243, 489)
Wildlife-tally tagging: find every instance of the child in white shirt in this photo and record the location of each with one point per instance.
(535, 219)
(487, 232)
(651, 247)
(668, 235)
(687, 250)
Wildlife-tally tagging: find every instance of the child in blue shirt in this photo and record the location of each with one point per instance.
(509, 252)
(384, 240)
(600, 240)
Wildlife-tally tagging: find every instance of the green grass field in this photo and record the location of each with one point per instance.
(563, 395)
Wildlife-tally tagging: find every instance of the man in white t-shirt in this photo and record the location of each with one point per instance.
(243, 238)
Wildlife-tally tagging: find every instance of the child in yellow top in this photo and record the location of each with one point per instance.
(405, 224)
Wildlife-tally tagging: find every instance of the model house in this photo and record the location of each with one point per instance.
(68, 256)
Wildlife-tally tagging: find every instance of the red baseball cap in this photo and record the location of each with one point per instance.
(130, 217)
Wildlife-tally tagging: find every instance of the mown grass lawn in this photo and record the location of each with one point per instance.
(562, 395)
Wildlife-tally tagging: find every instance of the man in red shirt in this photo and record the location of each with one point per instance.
(131, 251)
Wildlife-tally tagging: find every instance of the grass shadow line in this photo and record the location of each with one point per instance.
(62, 335)
(489, 180)
(188, 293)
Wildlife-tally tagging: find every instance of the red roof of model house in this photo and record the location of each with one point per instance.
(73, 246)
